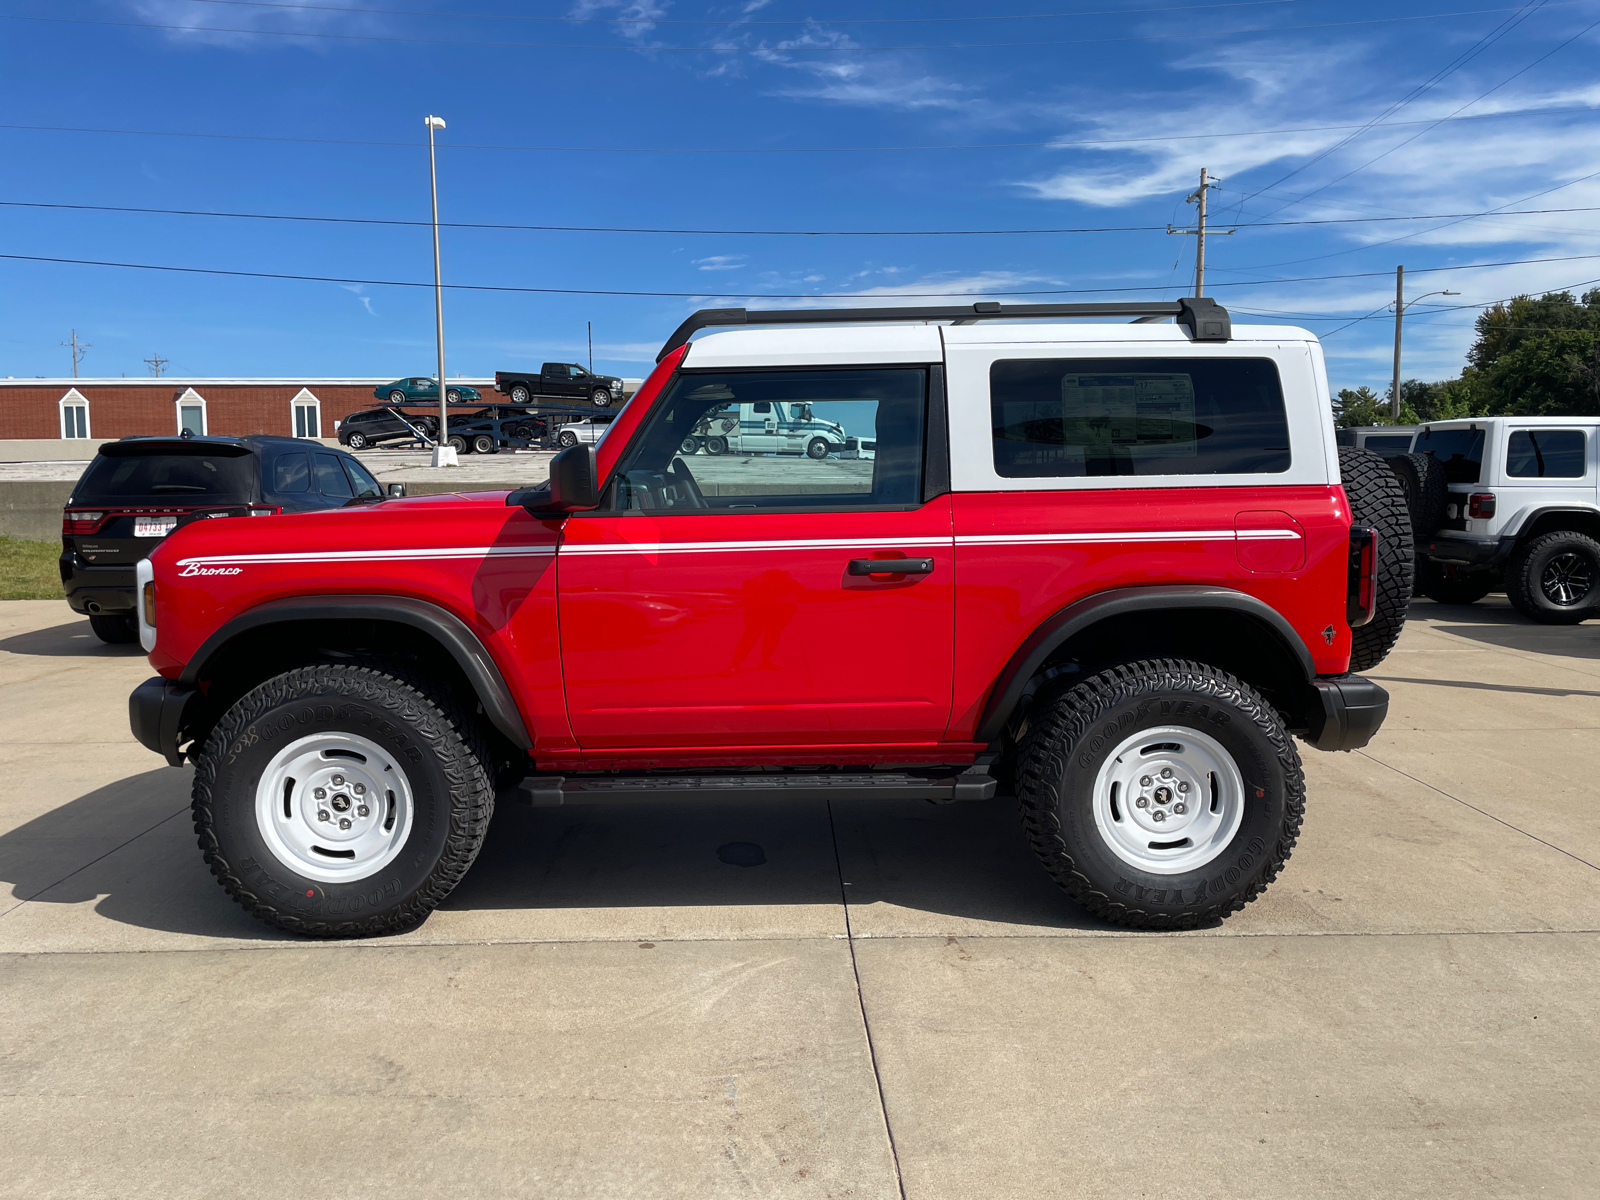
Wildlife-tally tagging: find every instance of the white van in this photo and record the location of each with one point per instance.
(767, 427)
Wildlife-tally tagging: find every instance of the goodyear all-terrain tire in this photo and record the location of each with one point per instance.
(1099, 761)
(1377, 499)
(1555, 578)
(1427, 491)
(1444, 583)
(342, 801)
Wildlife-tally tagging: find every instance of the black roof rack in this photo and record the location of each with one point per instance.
(1203, 317)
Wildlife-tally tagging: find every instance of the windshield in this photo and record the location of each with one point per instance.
(1459, 451)
(169, 476)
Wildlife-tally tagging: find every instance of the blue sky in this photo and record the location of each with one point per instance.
(624, 97)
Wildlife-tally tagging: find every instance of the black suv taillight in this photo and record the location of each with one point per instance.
(1362, 580)
(1480, 505)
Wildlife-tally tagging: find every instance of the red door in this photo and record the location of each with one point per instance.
(742, 629)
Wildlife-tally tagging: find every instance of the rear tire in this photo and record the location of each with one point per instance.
(716, 445)
(483, 444)
(457, 443)
(1446, 584)
(566, 438)
(1426, 490)
(115, 630)
(1085, 752)
(358, 441)
(520, 393)
(397, 397)
(1555, 579)
(396, 861)
(1377, 499)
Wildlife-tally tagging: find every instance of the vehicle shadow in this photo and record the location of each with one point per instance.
(72, 640)
(130, 849)
(1504, 628)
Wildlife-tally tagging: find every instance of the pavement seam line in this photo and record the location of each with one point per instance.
(1476, 809)
(91, 862)
(861, 1005)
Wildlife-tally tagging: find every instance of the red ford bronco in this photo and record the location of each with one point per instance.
(1107, 568)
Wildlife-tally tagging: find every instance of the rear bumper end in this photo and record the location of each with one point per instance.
(1467, 552)
(155, 714)
(1347, 712)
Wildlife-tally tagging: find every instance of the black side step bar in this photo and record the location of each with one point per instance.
(1203, 317)
(942, 786)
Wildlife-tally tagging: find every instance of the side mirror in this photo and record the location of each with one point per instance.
(397, 491)
(574, 484)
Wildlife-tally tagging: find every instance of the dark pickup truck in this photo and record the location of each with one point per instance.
(563, 381)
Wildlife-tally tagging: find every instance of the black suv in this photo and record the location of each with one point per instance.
(373, 425)
(140, 489)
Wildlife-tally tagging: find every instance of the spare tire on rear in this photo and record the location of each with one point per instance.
(1377, 499)
(1422, 478)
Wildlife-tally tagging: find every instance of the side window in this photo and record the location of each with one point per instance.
(291, 473)
(1546, 454)
(331, 480)
(366, 487)
(1073, 418)
(693, 454)
(1459, 451)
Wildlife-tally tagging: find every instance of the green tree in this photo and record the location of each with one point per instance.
(1361, 406)
(1540, 357)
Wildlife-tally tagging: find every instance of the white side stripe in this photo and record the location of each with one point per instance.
(314, 556)
(869, 542)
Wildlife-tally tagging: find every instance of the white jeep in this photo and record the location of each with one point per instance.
(1511, 497)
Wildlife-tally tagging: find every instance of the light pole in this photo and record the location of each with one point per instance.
(443, 455)
(1400, 306)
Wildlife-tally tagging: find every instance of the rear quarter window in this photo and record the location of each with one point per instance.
(1459, 451)
(1546, 454)
(1072, 418)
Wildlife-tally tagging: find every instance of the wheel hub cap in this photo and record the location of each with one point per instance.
(1168, 800)
(1566, 579)
(334, 807)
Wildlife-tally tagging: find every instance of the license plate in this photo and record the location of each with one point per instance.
(154, 526)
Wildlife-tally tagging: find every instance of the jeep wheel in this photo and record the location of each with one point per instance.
(1377, 499)
(601, 397)
(520, 393)
(1446, 584)
(341, 801)
(115, 630)
(817, 448)
(358, 441)
(1555, 579)
(1160, 794)
(1427, 492)
(397, 397)
(716, 445)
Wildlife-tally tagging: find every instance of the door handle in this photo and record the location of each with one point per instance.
(891, 566)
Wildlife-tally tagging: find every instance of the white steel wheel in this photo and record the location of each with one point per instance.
(334, 807)
(1168, 800)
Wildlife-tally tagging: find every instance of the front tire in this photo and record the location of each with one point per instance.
(601, 397)
(1169, 733)
(817, 449)
(452, 396)
(115, 630)
(1555, 579)
(294, 848)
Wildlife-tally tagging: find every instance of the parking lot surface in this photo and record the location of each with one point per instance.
(779, 999)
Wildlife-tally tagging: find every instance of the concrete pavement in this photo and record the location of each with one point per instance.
(894, 1000)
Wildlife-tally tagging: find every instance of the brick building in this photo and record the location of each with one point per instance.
(114, 408)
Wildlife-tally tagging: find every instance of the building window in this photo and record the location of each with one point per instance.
(191, 408)
(74, 415)
(305, 412)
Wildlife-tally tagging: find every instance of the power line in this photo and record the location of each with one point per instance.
(808, 233)
(739, 22)
(1054, 144)
(709, 295)
(372, 37)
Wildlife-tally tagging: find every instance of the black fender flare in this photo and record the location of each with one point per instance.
(449, 630)
(1081, 614)
(1533, 516)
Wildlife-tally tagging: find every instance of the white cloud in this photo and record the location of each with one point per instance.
(639, 16)
(359, 290)
(720, 262)
(192, 23)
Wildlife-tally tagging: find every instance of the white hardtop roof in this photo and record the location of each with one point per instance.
(837, 345)
(1536, 422)
(174, 381)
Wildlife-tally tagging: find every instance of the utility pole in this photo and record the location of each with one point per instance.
(590, 324)
(1198, 196)
(443, 456)
(1399, 315)
(79, 349)
(156, 362)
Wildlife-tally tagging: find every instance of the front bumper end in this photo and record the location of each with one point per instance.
(155, 713)
(1348, 710)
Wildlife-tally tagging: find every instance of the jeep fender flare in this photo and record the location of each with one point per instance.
(449, 630)
(1072, 620)
(1530, 518)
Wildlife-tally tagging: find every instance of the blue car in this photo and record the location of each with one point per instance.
(420, 388)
